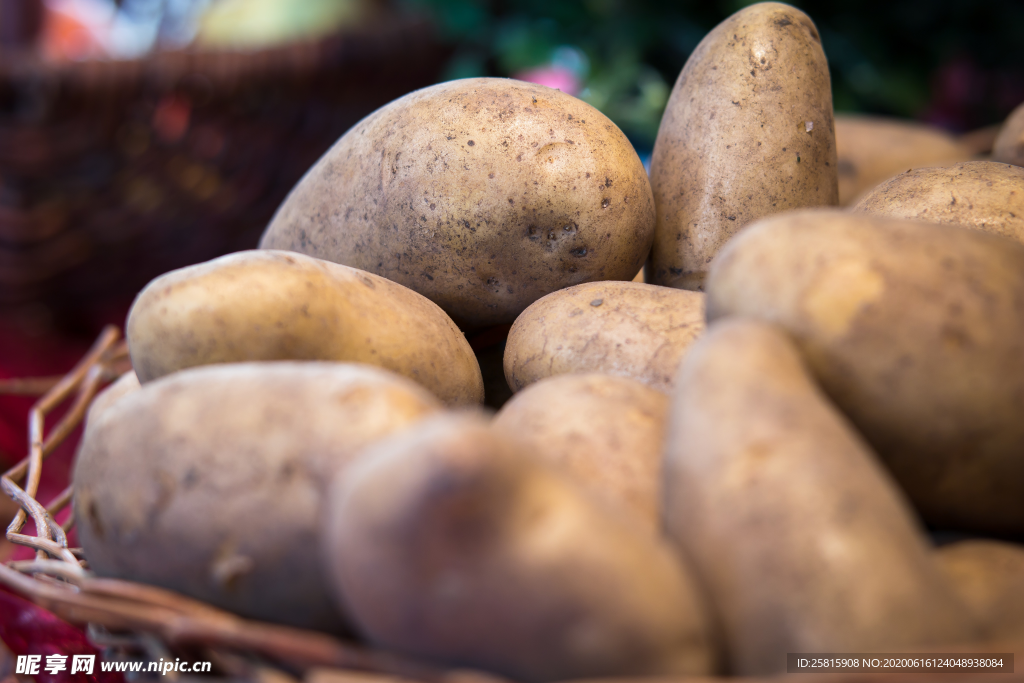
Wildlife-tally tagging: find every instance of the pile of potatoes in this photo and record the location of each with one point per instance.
(752, 453)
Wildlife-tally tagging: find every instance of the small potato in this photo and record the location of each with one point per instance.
(747, 132)
(916, 331)
(126, 384)
(872, 149)
(802, 540)
(988, 576)
(983, 195)
(605, 432)
(276, 305)
(209, 481)
(618, 328)
(451, 543)
(1009, 145)
(482, 194)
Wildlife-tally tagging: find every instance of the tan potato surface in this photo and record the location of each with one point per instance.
(916, 331)
(277, 305)
(983, 195)
(618, 328)
(605, 432)
(126, 384)
(210, 481)
(452, 544)
(873, 148)
(802, 540)
(1009, 145)
(482, 194)
(747, 133)
(989, 578)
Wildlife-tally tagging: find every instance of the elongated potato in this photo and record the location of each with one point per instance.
(916, 331)
(451, 543)
(1009, 145)
(210, 481)
(482, 194)
(275, 305)
(989, 578)
(803, 541)
(605, 432)
(747, 132)
(983, 195)
(618, 328)
(872, 149)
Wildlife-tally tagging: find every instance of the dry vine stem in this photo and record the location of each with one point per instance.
(62, 586)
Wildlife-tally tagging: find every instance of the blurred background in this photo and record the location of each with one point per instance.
(137, 136)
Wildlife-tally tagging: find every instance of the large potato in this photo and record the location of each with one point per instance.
(605, 432)
(747, 132)
(210, 481)
(989, 578)
(916, 331)
(872, 149)
(275, 305)
(983, 195)
(1009, 145)
(481, 194)
(451, 543)
(619, 328)
(802, 539)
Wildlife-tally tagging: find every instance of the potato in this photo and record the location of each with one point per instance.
(276, 305)
(1009, 145)
(452, 544)
(988, 576)
(983, 195)
(605, 432)
(872, 149)
(210, 481)
(916, 331)
(482, 194)
(747, 132)
(617, 328)
(802, 540)
(126, 384)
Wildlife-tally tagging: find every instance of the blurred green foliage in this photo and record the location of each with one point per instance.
(956, 63)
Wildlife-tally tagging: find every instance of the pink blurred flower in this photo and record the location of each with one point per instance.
(553, 77)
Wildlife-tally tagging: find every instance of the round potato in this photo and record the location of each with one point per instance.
(747, 132)
(916, 331)
(482, 194)
(872, 149)
(605, 432)
(983, 195)
(451, 543)
(802, 540)
(277, 305)
(1009, 145)
(210, 481)
(618, 328)
(989, 578)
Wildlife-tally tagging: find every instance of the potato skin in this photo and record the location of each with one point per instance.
(277, 305)
(482, 194)
(983, 195)
(125, 384)
(988, 576)
(451, 543)
(916, 332)
(210, 481)
(874, 148)
(618, 328)
(605, 432)
(802, 540)
(734, 143)
(1009, 145)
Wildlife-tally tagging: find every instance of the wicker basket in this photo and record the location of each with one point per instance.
(113, 172)
(129, 615)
